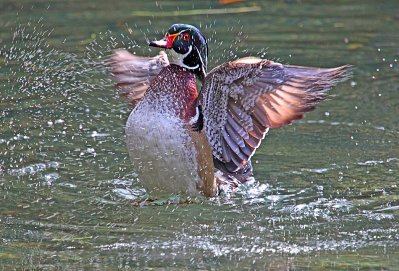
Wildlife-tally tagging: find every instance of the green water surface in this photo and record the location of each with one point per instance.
(328, 197)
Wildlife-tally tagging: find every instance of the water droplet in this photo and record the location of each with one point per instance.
(51, 178)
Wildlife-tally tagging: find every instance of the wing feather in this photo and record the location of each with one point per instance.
(230, 142)
(242, 99)
(133, 74)
(235, 136)
(236, 126)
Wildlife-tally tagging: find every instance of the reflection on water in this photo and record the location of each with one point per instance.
(327, 196)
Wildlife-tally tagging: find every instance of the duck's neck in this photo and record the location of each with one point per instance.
(174, 90)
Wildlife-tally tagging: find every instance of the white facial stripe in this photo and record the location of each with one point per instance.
(177, 58)
(202, 62)
(183, 31)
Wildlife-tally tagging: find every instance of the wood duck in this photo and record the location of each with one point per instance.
(182, 142)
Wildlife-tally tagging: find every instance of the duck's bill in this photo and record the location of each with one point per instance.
(166, 42)
(160, 43)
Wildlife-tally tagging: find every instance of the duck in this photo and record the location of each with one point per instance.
(199, 141)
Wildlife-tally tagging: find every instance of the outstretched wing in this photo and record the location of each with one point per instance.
(133, 74)
(242, 99)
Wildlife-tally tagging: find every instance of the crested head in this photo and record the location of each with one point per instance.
(189, 48)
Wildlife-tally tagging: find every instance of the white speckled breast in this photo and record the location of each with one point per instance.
(162, 151)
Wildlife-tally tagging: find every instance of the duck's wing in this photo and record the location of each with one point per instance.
(133, 74)
(242, 99)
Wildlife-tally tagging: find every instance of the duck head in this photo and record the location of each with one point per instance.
(189, 48)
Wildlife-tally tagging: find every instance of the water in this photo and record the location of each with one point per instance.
(328, 192)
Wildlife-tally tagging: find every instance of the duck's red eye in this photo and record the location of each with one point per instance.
(185, 37)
